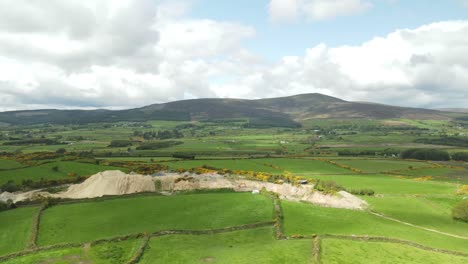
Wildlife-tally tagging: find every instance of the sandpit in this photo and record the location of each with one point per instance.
(119, 183)
(110, 183)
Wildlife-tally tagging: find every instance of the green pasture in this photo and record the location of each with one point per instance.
(15, 227)
(107, 253)
(46, 171)
(434, 213)
(9, 164)
(273, 165)
(441, 174)
(82, 222)
(335, 251)
(376, 166)
(391, 184)
(307, 219)
(248, 246)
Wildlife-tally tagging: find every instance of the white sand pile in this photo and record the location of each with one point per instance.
(110, 183)
(5, 196)
(23, 196)
(305, 193)
(119, 183)
(286, 191)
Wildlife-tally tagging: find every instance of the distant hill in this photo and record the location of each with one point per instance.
(282, 112)
(455, 110)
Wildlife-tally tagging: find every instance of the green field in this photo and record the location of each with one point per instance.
(365, 152)
(347, 252)
(89, 221)
(108, 253)
(304, 167)
(9, 164)
(306, 219)
(45, 171)
(422, 211)
(15, 226)
(376, 166)
(390, 184)
(250, 246)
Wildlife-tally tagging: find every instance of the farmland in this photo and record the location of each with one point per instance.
(409, 211)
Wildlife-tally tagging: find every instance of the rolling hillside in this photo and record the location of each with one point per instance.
(283, 111)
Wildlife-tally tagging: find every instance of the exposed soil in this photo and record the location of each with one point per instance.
(119, 183)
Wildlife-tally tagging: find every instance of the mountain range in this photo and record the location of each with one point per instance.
(282, 111)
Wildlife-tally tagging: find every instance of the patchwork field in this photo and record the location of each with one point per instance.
(51, 171)
(304, 219)
(345, 251)
(15, 228)
(106, 253)
(238, 247)
(84, 222)
(409, 219)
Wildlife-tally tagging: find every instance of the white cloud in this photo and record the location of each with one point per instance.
(291, 10)
(284, 10)
(423, 67)
(129, 53)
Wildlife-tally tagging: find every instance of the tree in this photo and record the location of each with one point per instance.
(460, 156)
(55, 168)
(460, 211)
(10, 186)
(60, 151)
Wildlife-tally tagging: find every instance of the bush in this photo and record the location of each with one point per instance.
(426, 154)
(460, 211)
(60, 151)
(10, 186)
(367, 192)
(328, 187)
(183, 156)
(159, 145)
(460, 156)
(120, 144)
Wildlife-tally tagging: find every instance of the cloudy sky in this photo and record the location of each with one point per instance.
(127, 53)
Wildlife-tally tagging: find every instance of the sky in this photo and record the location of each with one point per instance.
(117, 54)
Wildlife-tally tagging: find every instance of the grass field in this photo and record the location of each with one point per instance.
(306, 219)
(376, 166)
(390, 184)
(108, 253)
(15, 226)
(88, 221)
(45, 171)
(355, 252)
(422, 211)
(249, 246)
(9, 164)
(272, 165)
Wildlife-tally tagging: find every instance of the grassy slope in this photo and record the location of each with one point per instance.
(306, 219)
(356, 252)
(93, 220)
(109, 253)
(15, 226)
(249, 246)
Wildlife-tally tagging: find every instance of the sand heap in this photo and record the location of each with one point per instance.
(177, 182)
(119, 183)
(110, 183)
